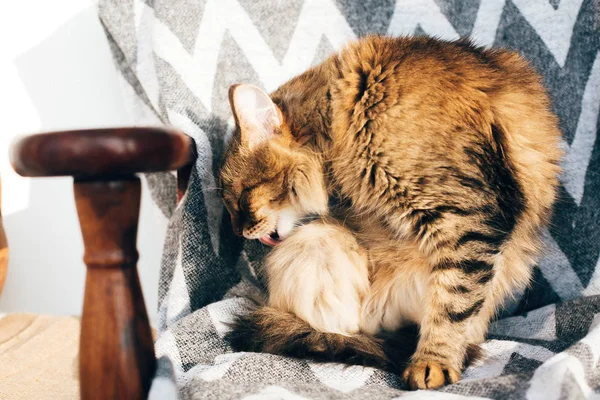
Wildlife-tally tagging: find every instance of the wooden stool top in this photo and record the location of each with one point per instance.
(101, 152)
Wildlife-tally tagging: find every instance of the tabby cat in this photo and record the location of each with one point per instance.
(403, 182)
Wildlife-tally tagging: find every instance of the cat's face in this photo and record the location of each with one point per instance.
(267, 181)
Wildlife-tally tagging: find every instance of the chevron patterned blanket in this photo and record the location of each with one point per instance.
(176, 60)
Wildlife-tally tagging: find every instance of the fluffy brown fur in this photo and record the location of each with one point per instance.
(271, 330)
(442, 159)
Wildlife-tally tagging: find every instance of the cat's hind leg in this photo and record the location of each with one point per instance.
(317, 279)
(320, 274)
(468, 283)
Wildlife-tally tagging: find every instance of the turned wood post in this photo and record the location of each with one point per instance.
(116, 353)
(115, 332)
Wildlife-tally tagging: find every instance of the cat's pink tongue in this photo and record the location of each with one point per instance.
(268, 240)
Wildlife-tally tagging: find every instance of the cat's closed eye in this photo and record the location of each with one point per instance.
(230, 205)
(243, 200)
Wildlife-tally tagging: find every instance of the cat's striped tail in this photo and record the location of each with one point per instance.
(269, 330)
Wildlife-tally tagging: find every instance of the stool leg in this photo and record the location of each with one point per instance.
(116, 354)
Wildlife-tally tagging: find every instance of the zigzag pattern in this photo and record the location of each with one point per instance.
(185, 53)
(320, 20)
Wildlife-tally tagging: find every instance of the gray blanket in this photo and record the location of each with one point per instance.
(177, 59)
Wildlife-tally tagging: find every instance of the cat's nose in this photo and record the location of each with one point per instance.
(238, 232)
(236, 228)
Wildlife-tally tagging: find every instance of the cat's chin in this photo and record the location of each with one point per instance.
(272, 239)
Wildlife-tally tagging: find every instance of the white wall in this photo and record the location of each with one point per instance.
(56, 72)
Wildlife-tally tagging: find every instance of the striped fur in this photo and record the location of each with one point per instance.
(442, 159)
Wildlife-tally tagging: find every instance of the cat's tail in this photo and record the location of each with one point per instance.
(269, 330)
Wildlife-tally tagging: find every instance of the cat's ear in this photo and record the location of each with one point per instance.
(255, 113)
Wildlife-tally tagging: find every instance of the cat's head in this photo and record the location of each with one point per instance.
(268, 181)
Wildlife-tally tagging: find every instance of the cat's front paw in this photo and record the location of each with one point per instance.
(428, 375)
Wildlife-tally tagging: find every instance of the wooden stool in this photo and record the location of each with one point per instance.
(116, 355)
